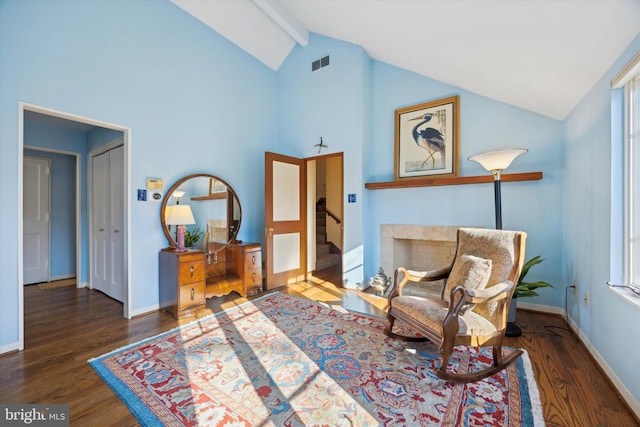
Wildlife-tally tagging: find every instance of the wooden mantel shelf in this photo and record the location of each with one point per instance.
(453, 180)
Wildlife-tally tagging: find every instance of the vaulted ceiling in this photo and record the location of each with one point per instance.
(540, 55)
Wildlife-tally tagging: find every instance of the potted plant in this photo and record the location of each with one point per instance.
(523, 289)
(192, 237)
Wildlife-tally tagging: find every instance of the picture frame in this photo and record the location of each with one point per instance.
(427, 146)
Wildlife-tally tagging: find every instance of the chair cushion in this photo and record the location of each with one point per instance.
(468, 271)
(431, 313)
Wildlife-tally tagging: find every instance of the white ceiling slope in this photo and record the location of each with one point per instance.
(540, 55)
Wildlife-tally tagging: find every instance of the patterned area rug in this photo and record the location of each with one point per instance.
(287, 361)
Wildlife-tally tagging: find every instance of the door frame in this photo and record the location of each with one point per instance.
(311, 207)
(24, 106)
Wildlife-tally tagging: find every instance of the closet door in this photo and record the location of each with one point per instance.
(100, 228)
(108, 218)
(116, 219)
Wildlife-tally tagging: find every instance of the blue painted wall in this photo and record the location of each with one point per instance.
(592, 224)
(194, 103)
(485, 124)
(329, 103)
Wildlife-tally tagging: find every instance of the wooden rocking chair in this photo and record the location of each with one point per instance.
(473, 306)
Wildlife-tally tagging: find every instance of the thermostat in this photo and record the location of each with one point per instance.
(155, 184)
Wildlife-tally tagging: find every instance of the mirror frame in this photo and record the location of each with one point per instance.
(177, 185)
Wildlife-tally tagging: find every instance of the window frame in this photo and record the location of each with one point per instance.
(629, 80)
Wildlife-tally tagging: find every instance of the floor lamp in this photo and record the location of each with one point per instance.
(495, 162)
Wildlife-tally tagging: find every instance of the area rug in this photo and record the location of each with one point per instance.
(286, 361)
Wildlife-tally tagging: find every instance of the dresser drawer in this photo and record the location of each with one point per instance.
(191, 295)
(253, 271)
(253, 259)
(191, 271)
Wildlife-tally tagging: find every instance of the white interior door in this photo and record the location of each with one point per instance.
(36, 209)
(100, 222)
(116, 219)
(107, 266)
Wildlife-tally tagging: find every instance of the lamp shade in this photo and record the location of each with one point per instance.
(180, 215)
(497, 160)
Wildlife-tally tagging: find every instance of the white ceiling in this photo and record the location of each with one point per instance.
(540, 55)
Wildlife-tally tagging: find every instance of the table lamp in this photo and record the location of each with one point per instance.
(180, 215)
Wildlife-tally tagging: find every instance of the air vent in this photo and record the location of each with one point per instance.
(320, 63)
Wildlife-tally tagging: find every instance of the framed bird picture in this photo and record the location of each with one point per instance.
(426, 139)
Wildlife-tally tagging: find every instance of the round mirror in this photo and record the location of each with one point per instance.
(214, 208)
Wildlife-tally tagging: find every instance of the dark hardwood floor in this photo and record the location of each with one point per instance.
(65, 327)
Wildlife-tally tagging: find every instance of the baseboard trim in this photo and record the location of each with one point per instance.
(144, 310)
(10, 348)
(623, 391)
(61, 277)
(541, 308)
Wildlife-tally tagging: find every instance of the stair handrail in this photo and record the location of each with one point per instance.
(332, 215)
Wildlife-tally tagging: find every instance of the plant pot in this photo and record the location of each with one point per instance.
(513, 330)
(511, 316)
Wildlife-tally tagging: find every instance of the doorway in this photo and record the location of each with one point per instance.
(82, 233)
(303, 217)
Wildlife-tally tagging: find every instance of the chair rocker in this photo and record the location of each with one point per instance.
(474, 301)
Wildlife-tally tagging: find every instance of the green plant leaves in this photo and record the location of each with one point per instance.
(526, 289)
(192, 237)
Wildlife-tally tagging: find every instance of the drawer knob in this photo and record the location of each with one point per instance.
(253, 276)
(193, 294)
(253, 260)
(191, 274)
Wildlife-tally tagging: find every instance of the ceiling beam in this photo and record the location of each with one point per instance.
(285, 21)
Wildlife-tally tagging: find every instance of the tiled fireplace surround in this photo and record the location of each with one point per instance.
(417, 247)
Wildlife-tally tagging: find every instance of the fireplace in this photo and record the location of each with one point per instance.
(416, 247)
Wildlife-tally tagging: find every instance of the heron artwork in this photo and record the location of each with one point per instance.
(429, 138)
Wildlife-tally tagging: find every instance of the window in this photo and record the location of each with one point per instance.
(632, 181)
(629, 79)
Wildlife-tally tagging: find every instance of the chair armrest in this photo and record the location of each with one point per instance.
(426, 276)
(414, 276)
(494, 293)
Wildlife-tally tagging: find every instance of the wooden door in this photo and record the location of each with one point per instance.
(36, 219)
(285, 220)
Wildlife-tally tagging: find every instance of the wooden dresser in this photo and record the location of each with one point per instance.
(182, 282)
(188, 278)
(234, 267)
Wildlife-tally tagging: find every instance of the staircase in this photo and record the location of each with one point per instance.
(327, 255)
